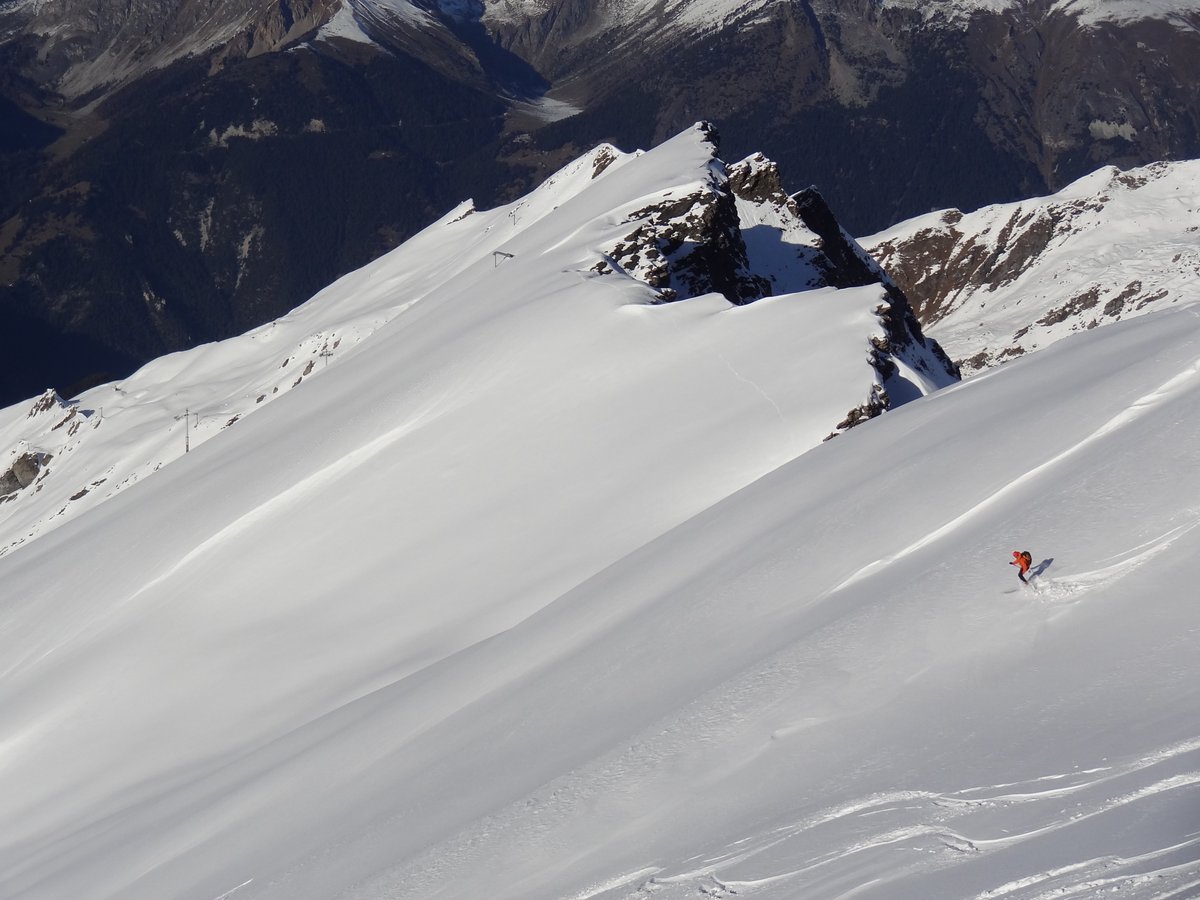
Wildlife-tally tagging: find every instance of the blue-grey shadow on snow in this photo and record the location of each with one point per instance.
(1042, 566)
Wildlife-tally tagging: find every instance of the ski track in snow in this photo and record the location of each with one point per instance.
(1156, 398)
(963, 826)
(232, 891)
(1059, 589)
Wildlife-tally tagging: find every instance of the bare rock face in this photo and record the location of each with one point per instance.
(849, 265)
(691, 245)
(22, 473)
(48, 402)
(940, 265)
(757, 179)
(1010, 278)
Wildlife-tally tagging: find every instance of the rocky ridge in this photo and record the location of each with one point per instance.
(696, 244)
(1007, 279)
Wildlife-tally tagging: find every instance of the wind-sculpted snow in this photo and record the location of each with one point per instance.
(540, 588)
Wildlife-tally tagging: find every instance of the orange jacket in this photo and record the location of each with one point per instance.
(1021, 559)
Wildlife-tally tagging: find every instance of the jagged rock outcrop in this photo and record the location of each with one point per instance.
(50, 400)
(692, 245)
(22, 473)
(849, 265)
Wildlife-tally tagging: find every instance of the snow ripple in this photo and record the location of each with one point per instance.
(963, 839)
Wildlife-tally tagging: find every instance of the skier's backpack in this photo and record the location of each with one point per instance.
(1025, 555)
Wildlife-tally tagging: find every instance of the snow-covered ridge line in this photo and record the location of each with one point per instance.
(1088, 12)
(1011, 278)
(706, 15)
(641, 227)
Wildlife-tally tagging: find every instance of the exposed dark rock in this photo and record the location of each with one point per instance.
(878, 403)
(849, 265)
(757, 178)
(691, 245)
(936, 265)
(48, 401)
(1085, 301)
(23, 472)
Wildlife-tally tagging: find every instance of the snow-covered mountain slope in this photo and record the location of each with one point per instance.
(1180, 13)
(499, 606)
(562, 284)
(1010, 278)
(88, 48)
(700, 15)
(654, 19)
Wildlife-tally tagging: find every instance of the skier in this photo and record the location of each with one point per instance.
(1022, 560)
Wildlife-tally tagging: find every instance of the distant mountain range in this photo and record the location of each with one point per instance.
(176, 172)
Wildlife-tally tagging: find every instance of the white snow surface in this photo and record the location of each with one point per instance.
(534, 592)
(1124, 244)
(649, 17)
(348, 20)
(547, 109)
(1088, 12)
(344, 24)
(706, 15)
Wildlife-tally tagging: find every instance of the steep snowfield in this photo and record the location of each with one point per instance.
(1013, 277)
(534, 592)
